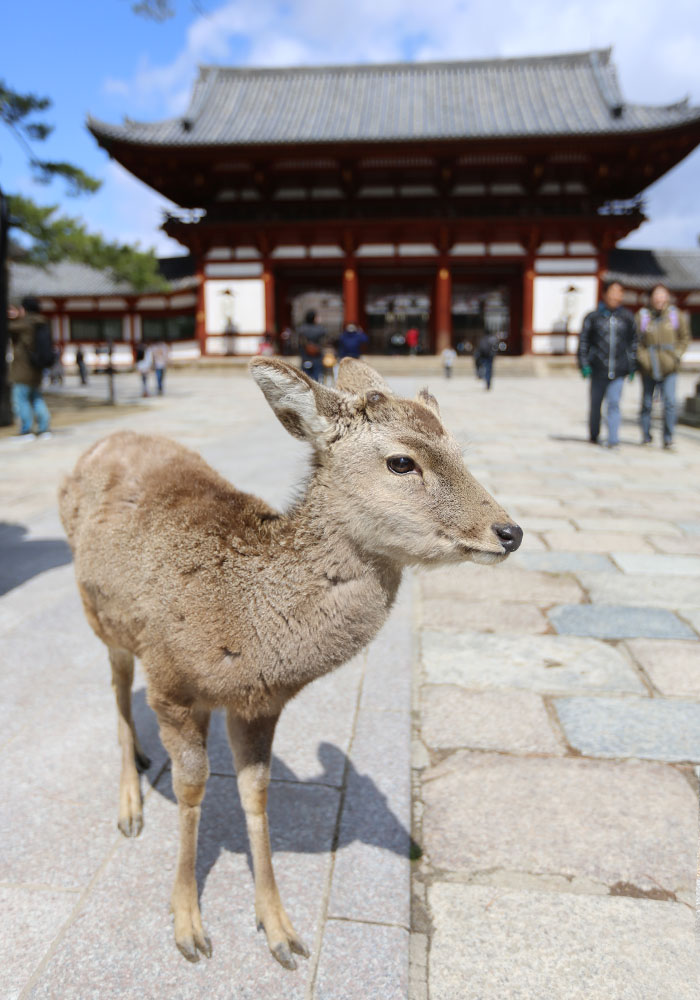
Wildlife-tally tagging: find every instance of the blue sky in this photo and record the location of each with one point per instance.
(99, 57)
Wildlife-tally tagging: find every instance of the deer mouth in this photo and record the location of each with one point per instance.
(487, 557)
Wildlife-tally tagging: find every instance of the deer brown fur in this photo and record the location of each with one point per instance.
(231, 604)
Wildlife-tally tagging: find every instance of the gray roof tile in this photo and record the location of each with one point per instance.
(575, 94)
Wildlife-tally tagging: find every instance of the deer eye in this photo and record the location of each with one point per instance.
(400, 464)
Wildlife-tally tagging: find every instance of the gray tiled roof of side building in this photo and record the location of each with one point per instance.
(678, 269)
(574, 94)
(68, 278)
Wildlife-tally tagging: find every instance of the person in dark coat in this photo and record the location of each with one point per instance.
(486, 351)
(351, 342)
(607, 352)
(312, 340)
(27, 401)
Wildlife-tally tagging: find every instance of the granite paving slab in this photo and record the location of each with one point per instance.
(671, 592)
(673, 666)
(630, 823)
(32, 917)
(596, 541)
(371, 876)
(681, 545)
(491, 944)
(120, 944)
(456, 613)
(544, 663)
(634, 525)
(508, 582)
(566, 562)
(656, 564)
(515, 721)
(650, 728)
(608, 621)
(359, 961)
(692, 617)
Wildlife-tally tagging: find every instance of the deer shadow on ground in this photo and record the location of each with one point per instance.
(303, 813)
(22, 558)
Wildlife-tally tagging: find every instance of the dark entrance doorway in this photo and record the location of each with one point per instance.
(298, 293)
(392, 308)
(479, 308)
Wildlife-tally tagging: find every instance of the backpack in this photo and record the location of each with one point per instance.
(645, 318)
(44, 354)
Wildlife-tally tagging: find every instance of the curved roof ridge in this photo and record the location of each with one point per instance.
(401, 67)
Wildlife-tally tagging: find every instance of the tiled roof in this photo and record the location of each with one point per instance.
(70, 278)
(678, 269)
(575, 94)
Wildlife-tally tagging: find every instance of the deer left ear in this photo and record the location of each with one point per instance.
(427, 399)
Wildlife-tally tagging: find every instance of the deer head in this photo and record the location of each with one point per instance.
(386, 470)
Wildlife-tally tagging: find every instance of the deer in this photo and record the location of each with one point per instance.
(231, 604)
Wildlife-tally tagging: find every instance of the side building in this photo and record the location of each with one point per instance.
(453, 197)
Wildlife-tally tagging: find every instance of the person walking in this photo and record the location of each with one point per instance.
(144, 363)
(486, 351)
(351, 342)
(160, 353)
(82, 367)
(606, 354)
(312, 340)
(664, 335)
(412, 339)
(32, 353)
(449, 356)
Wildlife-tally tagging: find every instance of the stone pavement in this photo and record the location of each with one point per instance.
(554, 727)
(85, 911)
(557, 716)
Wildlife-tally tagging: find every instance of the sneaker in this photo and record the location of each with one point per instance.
(647, 441)
(24, 436)
(45, 435)
(669, 446)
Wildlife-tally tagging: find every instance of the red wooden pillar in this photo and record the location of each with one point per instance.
(351, 298)
(269, 286)
(528, 297)
(200, 326)
(443, 310)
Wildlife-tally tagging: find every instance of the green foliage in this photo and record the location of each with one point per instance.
(60, 237)
(157, 10)
(15, 112)
(54, 237)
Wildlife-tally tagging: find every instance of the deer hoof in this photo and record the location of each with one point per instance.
(143, 762)
(283, 955)
(131, 826)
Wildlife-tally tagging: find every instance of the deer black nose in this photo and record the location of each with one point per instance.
(509, 535)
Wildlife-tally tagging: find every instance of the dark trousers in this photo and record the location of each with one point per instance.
(667, 387)
(602, 387)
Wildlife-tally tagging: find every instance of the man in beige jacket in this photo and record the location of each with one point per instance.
(663, 337)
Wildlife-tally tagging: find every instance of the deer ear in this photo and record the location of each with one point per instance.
(358, 378)
(304, 408)
(427, 399)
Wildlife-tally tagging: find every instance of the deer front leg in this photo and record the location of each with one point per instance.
(251, 743)
(184, 735)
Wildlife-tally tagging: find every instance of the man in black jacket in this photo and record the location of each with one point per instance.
(606, 353)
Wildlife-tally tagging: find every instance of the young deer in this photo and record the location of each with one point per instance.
(231, 604)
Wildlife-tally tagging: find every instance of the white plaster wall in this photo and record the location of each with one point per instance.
(551, 301)
(241, 302)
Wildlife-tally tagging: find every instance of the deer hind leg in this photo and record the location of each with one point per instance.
(184, 734)
(130, 807)
(251, 743)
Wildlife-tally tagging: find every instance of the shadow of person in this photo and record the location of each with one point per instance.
(22, 558)
(303, 813)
